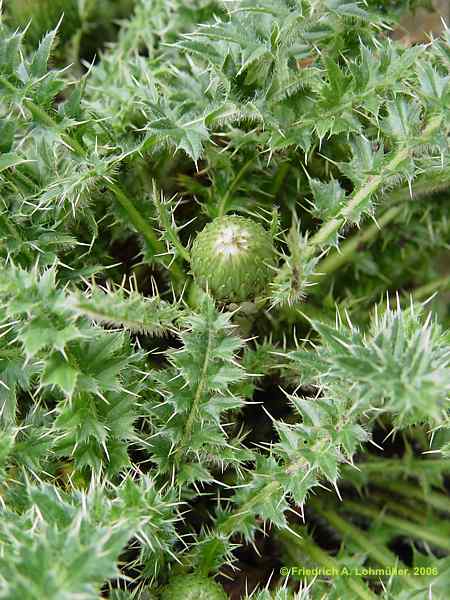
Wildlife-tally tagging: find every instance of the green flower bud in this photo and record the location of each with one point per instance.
(193, 587)
(232, 258)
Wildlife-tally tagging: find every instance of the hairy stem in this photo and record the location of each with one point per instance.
(8, 225)
(347, 250)
(373, 183)
(232, 523)
(165, 218)
(187, 432)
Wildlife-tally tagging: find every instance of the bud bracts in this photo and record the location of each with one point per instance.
(233, 257)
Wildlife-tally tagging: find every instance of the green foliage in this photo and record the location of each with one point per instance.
(191, 395)
(42, 16)
(153, 435)
(401, 366)
(92, 375)
(62, 545)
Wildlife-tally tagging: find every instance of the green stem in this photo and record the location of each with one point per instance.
(357, 201)
(232, 522)
(412, 529)
(382, 555)
(346, 253)
(137, 219)
(146, 230)
(43, 117)
(14, 233)
(294, 548)
(134, 215)
(233, 186)
(425, 291)
(27, 181)
(187, 430)
(335, 260)
(413, 466)
(165, 218)
(434, 499)
(279, 178)
(398, 507)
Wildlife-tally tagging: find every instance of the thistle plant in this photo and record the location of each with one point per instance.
(224, 310)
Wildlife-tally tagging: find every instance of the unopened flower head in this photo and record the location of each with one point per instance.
(233, 258)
